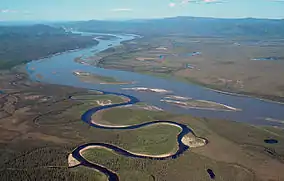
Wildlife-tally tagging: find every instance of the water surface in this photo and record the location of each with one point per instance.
(253, 110)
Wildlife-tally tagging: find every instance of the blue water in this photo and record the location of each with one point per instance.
(211, 173)
(87, 117)
(253, 110)
(266, 59)
(271, 141)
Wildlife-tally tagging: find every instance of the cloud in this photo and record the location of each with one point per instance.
(172, 5)
(185, 2)
(122, 10)
(213, 1)
(203, 1)
(8, 11)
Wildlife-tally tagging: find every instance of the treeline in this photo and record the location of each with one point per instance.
(48, 163)
(20, 44)
(47, 174)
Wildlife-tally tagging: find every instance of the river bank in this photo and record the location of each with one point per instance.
(249, 114)
(228, 71)
(226, 145)
(219, 89)
(37, 42)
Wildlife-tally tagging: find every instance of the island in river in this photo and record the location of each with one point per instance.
(190, 103)
(41, 124)
(222, 65)
(97, 79)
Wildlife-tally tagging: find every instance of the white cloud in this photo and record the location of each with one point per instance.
(122, 10)
(172, 4)
(203, 1)
(14, 11)
(8, 11)
(213, 1)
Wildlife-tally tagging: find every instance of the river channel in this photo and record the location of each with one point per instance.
(58, 69)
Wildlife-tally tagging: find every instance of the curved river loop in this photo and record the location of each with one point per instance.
(254, 111)
(87, 118)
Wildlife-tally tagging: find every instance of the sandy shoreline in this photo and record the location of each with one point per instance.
(72, 162)
(182, 104)
(145, 89)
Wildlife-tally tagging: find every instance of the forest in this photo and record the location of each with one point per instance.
(21, 44)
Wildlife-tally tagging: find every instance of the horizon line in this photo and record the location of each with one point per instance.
(137, 19)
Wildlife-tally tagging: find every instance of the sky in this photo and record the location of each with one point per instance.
(62, 10)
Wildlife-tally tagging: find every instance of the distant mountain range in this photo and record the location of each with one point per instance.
(29, 30)
(191, 26)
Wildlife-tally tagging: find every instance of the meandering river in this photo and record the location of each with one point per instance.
(112, 176)
(59, 69)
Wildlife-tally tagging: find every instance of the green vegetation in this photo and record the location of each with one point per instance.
(105, 78)
(125, 172)
(81, 109)
(126, 116)
(93, 98)
(266, 96)
(55, 174)
(198, 104)
(252, 136)
(90, 174)
(47, 163)
(93, 78)
(191, 27)
(30, 151)
(151, 140)
(81, 106)
(191, 166)
(25, 43)
(222, 65)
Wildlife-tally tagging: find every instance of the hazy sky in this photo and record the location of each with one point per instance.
(133, 9)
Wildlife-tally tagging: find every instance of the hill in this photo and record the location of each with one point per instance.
(192, 26)
(20, 44)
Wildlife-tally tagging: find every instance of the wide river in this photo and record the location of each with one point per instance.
(254, 111)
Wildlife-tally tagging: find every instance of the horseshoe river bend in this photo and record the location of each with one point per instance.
(252, 110)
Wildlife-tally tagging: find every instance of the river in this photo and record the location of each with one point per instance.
(112, 176)
(59, 69)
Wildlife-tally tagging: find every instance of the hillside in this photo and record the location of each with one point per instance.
(191, 26)
(20, 44)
